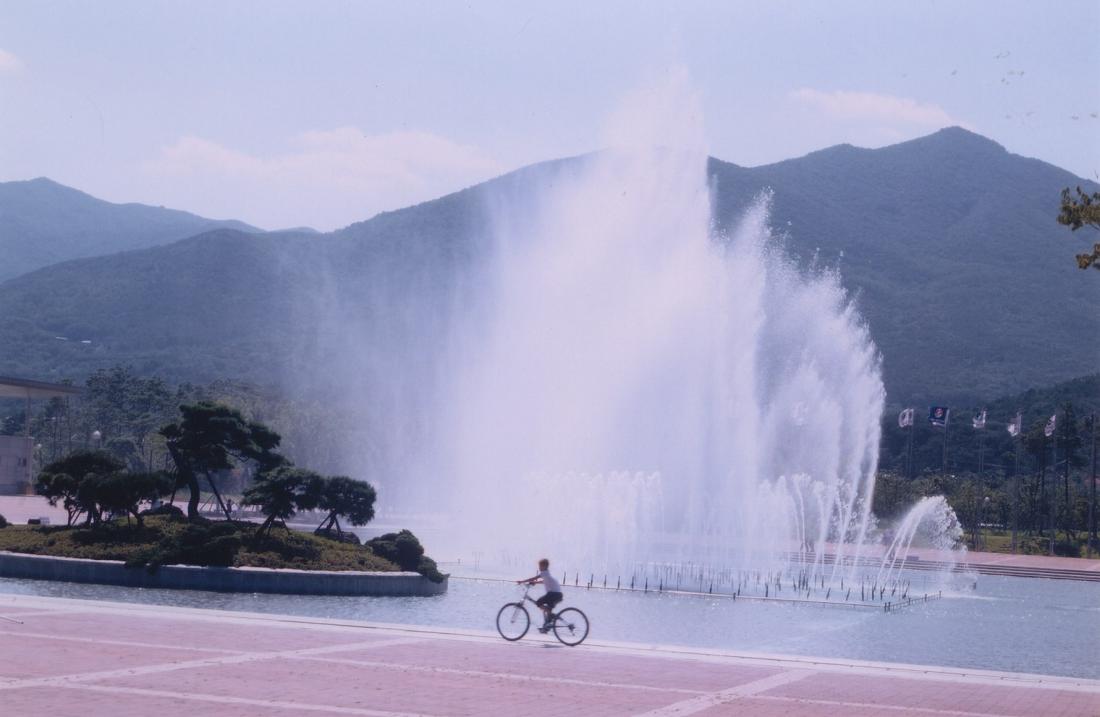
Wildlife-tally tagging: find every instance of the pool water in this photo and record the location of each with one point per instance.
(1008, 624)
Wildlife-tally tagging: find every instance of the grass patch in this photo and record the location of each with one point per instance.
(1064, 545)
(166, 541)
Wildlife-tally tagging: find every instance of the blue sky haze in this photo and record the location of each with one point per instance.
(325, 113)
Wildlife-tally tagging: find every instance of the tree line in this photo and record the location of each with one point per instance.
(207, 441)
(121, 411)
(137, 421)
(1041, 485)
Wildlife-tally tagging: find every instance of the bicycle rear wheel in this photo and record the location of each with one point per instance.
(571, 626)
(513, 621)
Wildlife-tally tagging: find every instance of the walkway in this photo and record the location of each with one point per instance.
(1020, 566)
(84, 657)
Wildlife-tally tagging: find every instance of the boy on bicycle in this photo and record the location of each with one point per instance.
(553, 592)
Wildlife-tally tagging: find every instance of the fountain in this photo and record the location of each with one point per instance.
(604, 376)
(638, 388)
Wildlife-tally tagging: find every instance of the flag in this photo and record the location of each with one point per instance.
(979, 419)
(937, 415)
(905, 418)
(1017, 424)
(1051, 425)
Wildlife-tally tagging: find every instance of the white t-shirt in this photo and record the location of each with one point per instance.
(549, 582)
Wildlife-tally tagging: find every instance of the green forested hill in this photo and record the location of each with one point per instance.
(214, 305)
(43, 222)
(1035, 405)
(948, 243)
(951, 246)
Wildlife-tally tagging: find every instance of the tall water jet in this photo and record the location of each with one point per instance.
(636, 385)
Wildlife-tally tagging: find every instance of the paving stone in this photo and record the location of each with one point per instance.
(122, 660)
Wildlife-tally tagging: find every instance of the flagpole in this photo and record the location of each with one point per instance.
(1053, 491)
(1067, 426)
(906, 452)
(1016, 496)
(981, 465)
(1092, 492)
(909, 452)
(1042, 486)
(946, 420)
(981, 451)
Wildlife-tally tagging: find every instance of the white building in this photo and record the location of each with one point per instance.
(17, 452)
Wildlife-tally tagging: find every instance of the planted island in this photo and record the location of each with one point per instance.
(116, 514)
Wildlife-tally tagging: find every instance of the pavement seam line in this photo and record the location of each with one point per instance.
(39, 613)
(714, 699)
(119, 643)
(405, 667)
(878, 706)
(252, 702)
(235, 659)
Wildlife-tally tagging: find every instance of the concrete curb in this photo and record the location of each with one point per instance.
(194, 577)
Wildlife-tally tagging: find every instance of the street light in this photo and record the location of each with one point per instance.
(985, 506)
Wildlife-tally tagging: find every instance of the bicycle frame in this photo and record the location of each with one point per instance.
(527, 598)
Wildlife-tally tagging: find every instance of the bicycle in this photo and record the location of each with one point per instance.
(570, 625)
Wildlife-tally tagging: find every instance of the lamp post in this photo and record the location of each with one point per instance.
(97, 438)
(984, 510)
(36, 467)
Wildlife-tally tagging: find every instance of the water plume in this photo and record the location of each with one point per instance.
(634, 385)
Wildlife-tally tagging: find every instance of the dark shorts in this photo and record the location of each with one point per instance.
(549, 600)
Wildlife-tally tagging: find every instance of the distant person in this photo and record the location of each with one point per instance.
(553, 592)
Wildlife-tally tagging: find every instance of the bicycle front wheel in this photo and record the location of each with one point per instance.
(513, 621)
(571, 626)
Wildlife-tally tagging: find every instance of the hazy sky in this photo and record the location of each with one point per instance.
(324, 113)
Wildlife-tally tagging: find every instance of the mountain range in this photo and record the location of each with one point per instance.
(43, 222)
(947, 243)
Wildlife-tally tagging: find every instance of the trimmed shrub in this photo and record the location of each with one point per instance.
(168, 510)
(404, 550)
(339, 537)
(428, 568)
(1067, 549)
(210, 544)
(200, 543)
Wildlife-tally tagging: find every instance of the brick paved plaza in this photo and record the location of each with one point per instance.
(98, 658)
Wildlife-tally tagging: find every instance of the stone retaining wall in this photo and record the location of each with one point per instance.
(193, 577)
